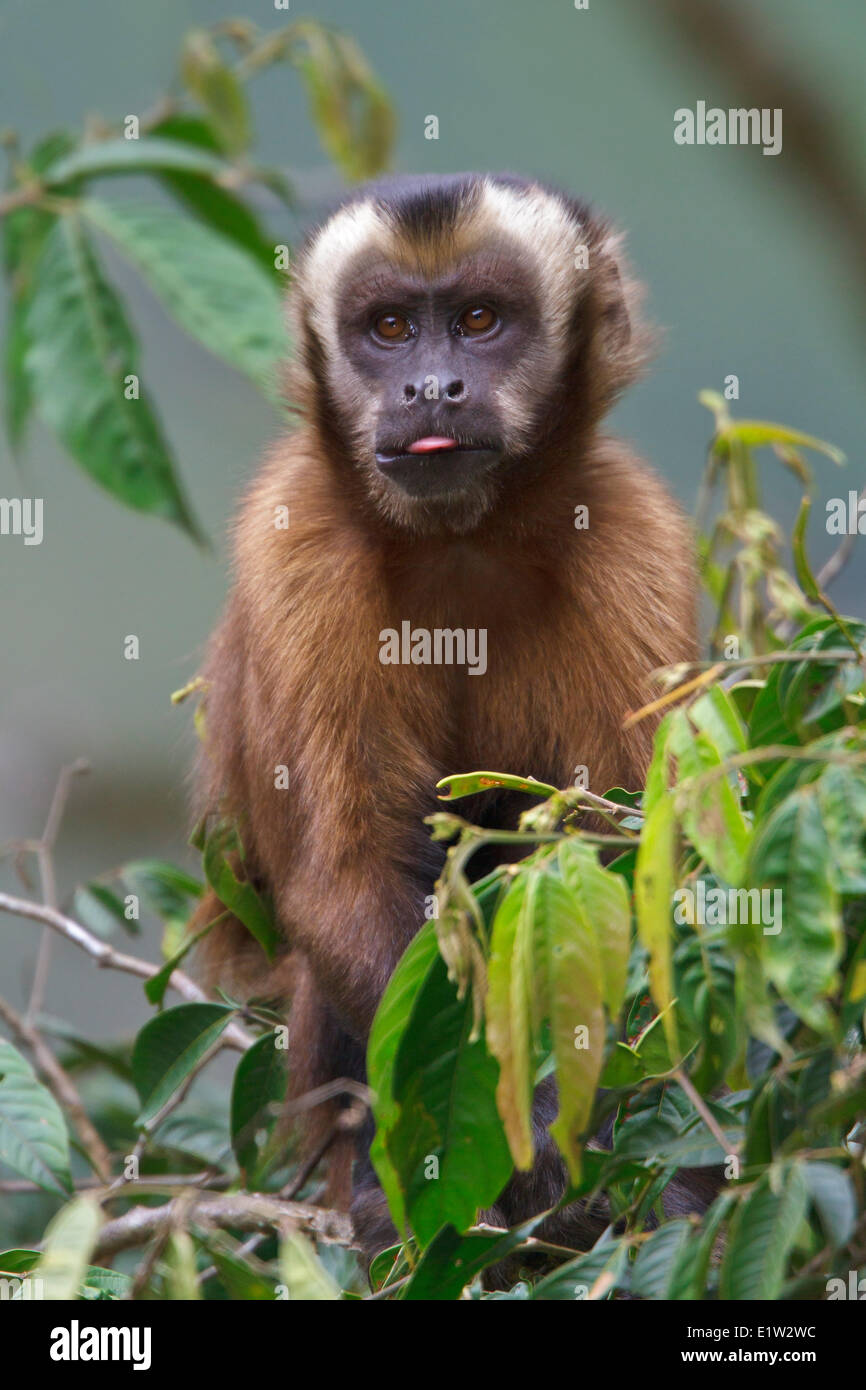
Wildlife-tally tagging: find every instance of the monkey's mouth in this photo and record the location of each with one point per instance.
(433, 444)
(437, 465)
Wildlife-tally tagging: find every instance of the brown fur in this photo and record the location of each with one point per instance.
(576, 620)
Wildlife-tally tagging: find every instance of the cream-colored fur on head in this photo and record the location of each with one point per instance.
(536, 221)
(538, 224)
(570, 255)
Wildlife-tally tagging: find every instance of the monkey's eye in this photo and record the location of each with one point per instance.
(394, 328)
(480, 318)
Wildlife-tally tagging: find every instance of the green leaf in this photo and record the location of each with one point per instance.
(791, 854)
(604, 903)
(155, 987)
(241, 1282)
(447, 1145)
(662, 1258)
(69, 1240)
(690, 1274)
(218, 89)
(754, 433)
(303, 1273)
(170, 892)
(392, 1019)
(188, 129)
(80, 354)
(706, 995)
(654, 883)
(711, 813)
(802, 568)
(762, 1233)
(813, 696)
(568, 957)
(204, 1138)
(349, 108)
(508, 1019)
(120, 156)
(214, 290)
(222, 851)
(225, 214)
(97, 1283)
(452, 1261)
(647, 1055)
(24, 234)
(259, 1083)
(33, 1137)
(841, 793)
(169, 1047)
(100, 909)
(832, 1194)
(105, 1283)
(18, 1261)
(470, 783)
(591, 1276)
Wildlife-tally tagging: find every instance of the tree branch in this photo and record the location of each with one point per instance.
(106, 956)
(241, 1211)
(45, 856)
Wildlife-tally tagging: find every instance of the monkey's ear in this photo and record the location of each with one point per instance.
(623, 342)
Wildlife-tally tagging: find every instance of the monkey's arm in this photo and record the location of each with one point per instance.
(329, 803)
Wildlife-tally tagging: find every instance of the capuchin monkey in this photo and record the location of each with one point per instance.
(458, 342)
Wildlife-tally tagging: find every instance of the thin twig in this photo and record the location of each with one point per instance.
(839, 559)
(827, 654)
(235, 1035)
(62, 1087)
(45, 857)
(183, 1090)
(22, 197)
(160, 1185)
(148, 1264)
(349, 1121)
(602, 802)
(343, 1086)
(705, 1113)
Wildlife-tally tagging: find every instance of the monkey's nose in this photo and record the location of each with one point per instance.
(455, 391)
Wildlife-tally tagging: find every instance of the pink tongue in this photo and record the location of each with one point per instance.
(431, 444)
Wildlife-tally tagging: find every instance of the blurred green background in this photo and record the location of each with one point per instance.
(746, 270)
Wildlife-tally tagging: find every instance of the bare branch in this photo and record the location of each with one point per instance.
(106, 956)
(348, 1121)
(839, 559)
(241, 1211)
(45, 856)
(22, 197)
(705, 1113)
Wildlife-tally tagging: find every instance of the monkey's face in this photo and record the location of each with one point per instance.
(429, 356)
(435, 323)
